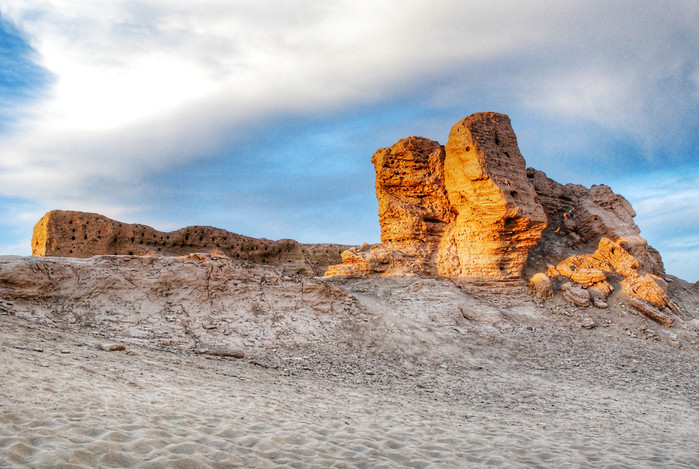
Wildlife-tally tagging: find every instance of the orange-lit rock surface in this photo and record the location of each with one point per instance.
(579, 218)
(79, 234)
(414, 210)
(498, 216)
(645, 292)
(464, 211)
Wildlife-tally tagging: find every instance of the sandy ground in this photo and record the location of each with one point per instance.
(428, 376)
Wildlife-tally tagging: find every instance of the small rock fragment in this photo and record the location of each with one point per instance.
(111, 347)
(588, 323)
(224, 352)
(577, 296)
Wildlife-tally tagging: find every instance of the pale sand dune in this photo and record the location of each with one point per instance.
(149, 408)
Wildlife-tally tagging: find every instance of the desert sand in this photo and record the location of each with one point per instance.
(395, 372)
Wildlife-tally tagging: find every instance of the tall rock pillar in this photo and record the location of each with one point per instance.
(498, 215)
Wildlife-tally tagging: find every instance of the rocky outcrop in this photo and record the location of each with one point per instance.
(498, 216)
(472, 209)
(578, 218)
(593, 276)
(414, 210)
(79, 234)
(466, 210)
(592, 240)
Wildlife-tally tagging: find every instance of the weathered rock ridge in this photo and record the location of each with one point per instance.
(79, 234)
(472, 209)
(467, 210)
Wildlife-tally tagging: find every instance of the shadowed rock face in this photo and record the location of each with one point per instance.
(579, 218)
(464, 211)
(79, 234)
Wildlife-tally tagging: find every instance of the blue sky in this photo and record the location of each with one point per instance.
(261, 117)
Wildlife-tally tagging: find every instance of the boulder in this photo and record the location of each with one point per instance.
(649, 288)
(541, 286)
(577, 295)
(620, 260)
(600, 291)
(651, 311)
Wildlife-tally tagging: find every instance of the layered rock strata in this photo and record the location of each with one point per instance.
(589, 279)
(79, 234)
(498, 215)
(467, 210)
(472, 209)
(193, 302)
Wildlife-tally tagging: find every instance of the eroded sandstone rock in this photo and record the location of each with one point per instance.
(592, 273)
(414, 210)
(541, 286)
(577, 295)
(579, 218)
(498, 216)
(78, 234)
(467, 210)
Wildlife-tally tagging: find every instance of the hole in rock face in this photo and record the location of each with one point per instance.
(468, 148)
(432, 220)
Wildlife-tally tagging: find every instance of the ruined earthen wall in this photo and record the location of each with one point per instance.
(79, 234)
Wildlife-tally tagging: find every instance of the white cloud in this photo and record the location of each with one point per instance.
(144, 86)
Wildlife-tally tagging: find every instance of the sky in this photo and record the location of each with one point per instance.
(261, 117)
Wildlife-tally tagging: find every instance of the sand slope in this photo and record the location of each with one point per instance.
(404, 372)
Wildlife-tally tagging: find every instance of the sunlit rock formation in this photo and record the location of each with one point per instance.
(79, 234)
(467, 210)
(498, 215)
(472, 209)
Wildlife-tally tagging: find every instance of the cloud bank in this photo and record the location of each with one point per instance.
(240, 113)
